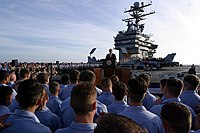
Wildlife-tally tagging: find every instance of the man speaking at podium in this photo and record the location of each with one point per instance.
(110, 60)
(111, 56)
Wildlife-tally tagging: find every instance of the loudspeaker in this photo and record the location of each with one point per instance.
(14, 62)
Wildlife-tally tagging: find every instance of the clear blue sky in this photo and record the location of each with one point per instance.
(66, 30)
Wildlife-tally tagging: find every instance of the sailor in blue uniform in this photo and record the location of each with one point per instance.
(89, 76)
(83, 101)
(43, 78)
(5, 99)
(54, 102)
(45, 116)
(66, 92)
(173, 90)
(13, 105)
(106, 97)
(74, 79)
(24, 120)
(4, 80)
(67, 113)
(176, 118)
(149, 99)
(189, 95)
(136, 92)
(64, 81)
(119, 90)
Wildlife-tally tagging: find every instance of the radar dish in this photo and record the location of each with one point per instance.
(136, 4)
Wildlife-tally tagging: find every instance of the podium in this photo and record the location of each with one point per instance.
(124, 74)
(109, 63)
(109, 67)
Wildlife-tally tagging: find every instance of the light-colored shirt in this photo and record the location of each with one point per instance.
(144, 118)
(101, 108)
(149, 100)
(191, 98)
(99, 91)
(46, 87)
(67, 113)
(14, 93)
(197, 131)
(156, 109)
(47, 118)
(11, 84)
(62, 87)
(76, 127)
(4, 110)
(66, 92)
(25, 122)
(54, 104)
(13, 105)
(106, 98)
(117, 107)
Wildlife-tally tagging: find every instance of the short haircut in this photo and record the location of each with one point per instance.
(23, 72)
(42, 77)
(106, 82)
(146, 77)
(74, 76)
(4, 75)
(114, 123)
(178, 117)
(137, 87)
(83, 95)
(174, 86)
(114, 78)
(87, 75)
(64, 79)
(163, 82)
(29, 91)
(119, 89)
(5, 91)
(192, 81)
(44, 99)
(13, 76)
(53, 87)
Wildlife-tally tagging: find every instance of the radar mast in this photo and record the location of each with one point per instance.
(133, 44)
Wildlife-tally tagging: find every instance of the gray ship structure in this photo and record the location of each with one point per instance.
(136, 49)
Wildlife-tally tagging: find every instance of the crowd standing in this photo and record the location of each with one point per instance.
(31, 102)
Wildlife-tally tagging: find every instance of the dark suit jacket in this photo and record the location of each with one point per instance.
(112, 57)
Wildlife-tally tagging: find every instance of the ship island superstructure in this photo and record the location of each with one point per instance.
(133, 44)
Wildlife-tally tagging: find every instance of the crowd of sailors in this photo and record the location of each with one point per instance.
(34, 104)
